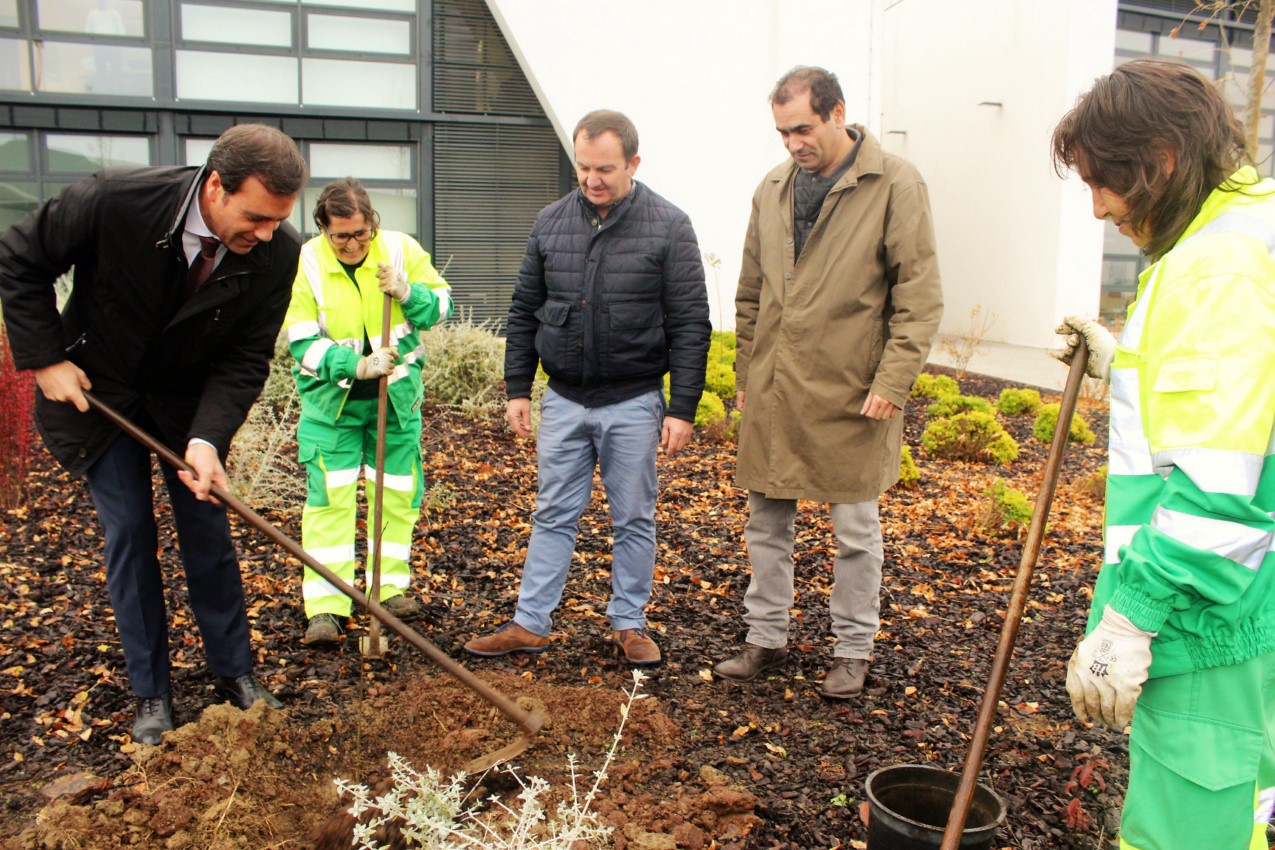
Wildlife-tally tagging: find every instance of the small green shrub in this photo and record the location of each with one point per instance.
(953, 404)
(1094, 485)
(934, 386)
(1015, 401)
(719, 353)
(1047, 421)
(1005, 512)
(726, 338)
(970, 436)
(720, 381)
(464, 366)
(908, 473)
(439, 497)
(710, 410)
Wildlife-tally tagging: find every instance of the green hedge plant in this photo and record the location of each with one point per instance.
(1047, 421)
(971, 436)
(1004, 512)
(953, 404)
(1016, 401)
(934, 386)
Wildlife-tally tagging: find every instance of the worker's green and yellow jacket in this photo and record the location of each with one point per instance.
(1191, 480)
(330, 319)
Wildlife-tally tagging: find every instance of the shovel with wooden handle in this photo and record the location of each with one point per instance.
(530, 722)
(1017, 604)
(370, 644)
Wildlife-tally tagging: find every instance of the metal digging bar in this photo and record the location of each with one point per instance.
(371, 644)
(1017, 603)
(530, 722)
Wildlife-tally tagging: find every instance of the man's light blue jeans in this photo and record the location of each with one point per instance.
(621, 440)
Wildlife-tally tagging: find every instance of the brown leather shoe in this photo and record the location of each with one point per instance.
(637, 646)
(844, 678)
(510, 637)
(751, 663)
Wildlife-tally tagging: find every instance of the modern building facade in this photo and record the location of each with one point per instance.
(457, 114)
(420, 99)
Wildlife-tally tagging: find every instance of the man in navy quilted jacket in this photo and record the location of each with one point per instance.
(609, 299)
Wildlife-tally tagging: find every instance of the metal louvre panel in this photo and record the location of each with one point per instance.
(474, 69)
(490, 181)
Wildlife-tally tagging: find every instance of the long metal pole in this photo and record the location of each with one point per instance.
(530, 722)
(1017, 603)
(378, 505)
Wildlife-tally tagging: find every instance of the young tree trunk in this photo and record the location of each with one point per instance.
(1257, 73)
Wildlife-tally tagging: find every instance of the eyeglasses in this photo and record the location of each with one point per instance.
(342, 238)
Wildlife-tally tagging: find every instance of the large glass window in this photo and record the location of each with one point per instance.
(367, 162)
(378, 85)
(240, 77)
(17, 198)
(197, 150)
(94, 17)
(93, 69)
(15, 69)
(379, 5)
(85, 154)
(365, 35)
(236, 26)
(8, 13)
(15, 152)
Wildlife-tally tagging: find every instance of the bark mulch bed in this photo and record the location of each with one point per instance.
(702, 764)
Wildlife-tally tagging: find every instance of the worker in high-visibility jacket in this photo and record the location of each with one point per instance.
(1181, 637)
(334, 333)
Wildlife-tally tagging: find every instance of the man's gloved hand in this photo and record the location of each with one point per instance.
(1106, 672)
(393, 283)
(1102, 345)
(377, 364)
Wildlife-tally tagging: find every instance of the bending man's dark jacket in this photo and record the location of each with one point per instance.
(193, 366)
(609, 305)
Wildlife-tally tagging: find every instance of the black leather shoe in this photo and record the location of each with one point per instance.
(243, 691)
(153, 717)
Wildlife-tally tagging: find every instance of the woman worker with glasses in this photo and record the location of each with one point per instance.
(334, 329)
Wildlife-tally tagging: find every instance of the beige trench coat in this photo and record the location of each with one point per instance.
(856, 314)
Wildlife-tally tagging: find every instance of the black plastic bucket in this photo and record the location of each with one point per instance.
(909, 805)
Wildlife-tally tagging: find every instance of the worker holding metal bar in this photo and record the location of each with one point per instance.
(334, 327)
(1181, 635)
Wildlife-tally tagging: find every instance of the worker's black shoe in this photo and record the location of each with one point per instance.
(323, 629)
(243, 691)
(402, 606)
(153, 717)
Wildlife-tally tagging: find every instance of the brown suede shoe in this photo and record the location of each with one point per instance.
(844, 678)
(751, 663)
(637, 646)
(510, 637)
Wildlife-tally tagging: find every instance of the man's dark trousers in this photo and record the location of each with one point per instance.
(120, 481)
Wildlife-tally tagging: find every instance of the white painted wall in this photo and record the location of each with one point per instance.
(694, 76)
(971, 93)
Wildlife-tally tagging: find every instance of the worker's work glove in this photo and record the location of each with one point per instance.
(1106, 672)
(393, 283)
(1102, 345)
(377, 364)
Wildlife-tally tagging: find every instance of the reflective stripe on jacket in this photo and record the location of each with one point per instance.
(330, 317)
(1191, 482)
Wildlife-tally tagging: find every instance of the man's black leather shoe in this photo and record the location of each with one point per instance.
(243, 691)
(153, 717)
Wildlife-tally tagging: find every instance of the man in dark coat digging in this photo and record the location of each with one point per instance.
(182, 278)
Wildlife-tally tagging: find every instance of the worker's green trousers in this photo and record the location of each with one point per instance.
(1202, 764)
(333, 456)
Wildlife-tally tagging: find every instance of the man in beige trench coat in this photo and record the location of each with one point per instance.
(838, 302)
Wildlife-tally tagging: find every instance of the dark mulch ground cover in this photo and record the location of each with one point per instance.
(702, 764)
